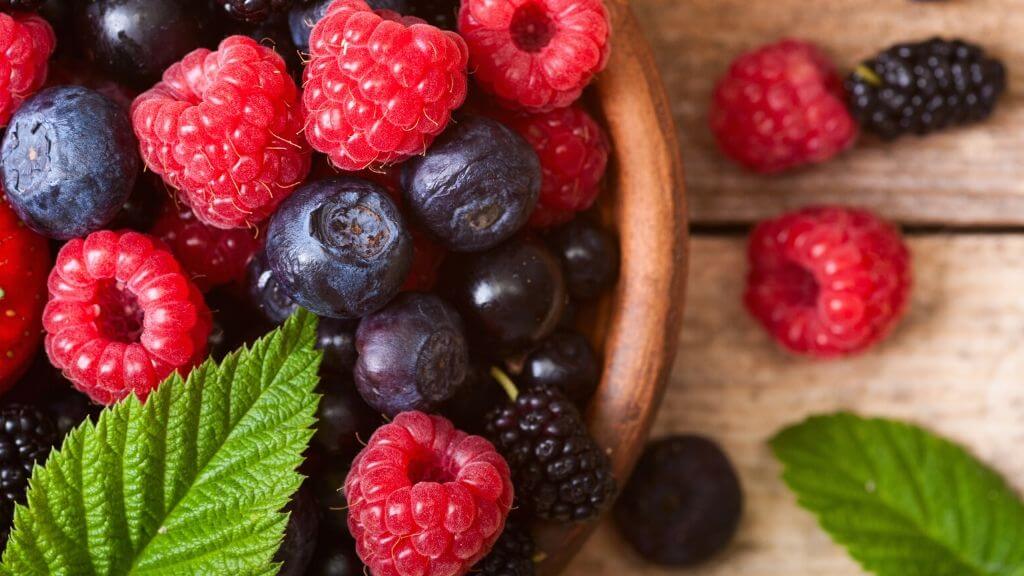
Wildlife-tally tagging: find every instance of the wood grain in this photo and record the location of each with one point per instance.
(954, 365)
(967, 177)
(637, 326)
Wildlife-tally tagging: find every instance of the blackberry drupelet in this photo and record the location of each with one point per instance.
(26, 436)
(559, 471)
(922, 87)
(512, 555)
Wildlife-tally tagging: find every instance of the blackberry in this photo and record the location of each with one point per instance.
(253, 10)
(682, 504)
(512, 555)
(26, 436)
(559, 471)
(922, 87)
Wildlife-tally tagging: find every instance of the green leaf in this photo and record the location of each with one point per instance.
(903, 501)
(191, 482)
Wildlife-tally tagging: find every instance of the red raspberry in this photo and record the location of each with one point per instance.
(827, 281)
(211, 256)
(224, 128)
(26, 43)
(379, 87)
(536, 54)
(781, 106)
(122, 315)
(425, 498)
(24, 260)
(573, 152)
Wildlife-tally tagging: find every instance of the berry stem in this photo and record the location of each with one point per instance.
(868, 75)
(506, 383)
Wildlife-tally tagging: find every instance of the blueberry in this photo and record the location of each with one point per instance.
(511, 296)
(683, 503)
(300, 535)
(265, 293)
(339, 247)
(136, 40)
(344, 421)
(565, 361)
(337, 339)
(590, 257)
(412, 355)
(69, 161)
(475, 187)
(302, 18)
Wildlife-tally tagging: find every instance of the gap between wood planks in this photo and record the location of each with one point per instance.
(740, 229)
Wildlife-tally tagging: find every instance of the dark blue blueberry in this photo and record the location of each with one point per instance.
(69, 161)
(302, 18)
(476, 186)
(300, 535)
(265, 293)
(412, 355)
(590, 257)
(136, 40)
(339, 247)
(511, 296)
(337, 339)
(565, 361)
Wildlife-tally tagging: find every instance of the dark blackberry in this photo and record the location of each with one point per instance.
(253, 10)
(70, 409)
(682, 504)
(20, 5)
(559, 471)
(26, 436)
(512, 555)
(926, 86)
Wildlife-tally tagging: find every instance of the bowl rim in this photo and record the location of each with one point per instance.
(642, 320)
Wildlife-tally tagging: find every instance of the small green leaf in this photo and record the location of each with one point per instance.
(903, 501)
(191, 482)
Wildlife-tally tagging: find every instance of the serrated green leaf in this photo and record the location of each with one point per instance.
(191, 482)
(903, 501)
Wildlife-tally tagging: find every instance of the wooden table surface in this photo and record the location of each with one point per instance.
(956, 363)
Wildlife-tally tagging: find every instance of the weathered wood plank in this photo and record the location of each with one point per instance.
(972, 176)
(956, 364)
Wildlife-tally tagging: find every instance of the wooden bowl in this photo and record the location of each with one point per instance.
(637, 326)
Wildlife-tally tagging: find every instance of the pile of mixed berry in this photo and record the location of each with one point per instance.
(180, 175)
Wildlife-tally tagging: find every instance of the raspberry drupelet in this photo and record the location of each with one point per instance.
(211, 256)
(781, 106)
(26, 43)
(827, 281)
(122, 315)
(225, 129)
(536, 55)
(390, 95)
(425, 498)
(573, 151)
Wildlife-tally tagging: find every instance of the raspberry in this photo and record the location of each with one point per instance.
(224, 128)
(425, 498)
(24, 261)
(560, 472)
(211, 256)
(536, 54)
(26, 43)
(827, 281)
(573, 151)
(391, 94)
(781, 106)
(122, 315)
(26, 437)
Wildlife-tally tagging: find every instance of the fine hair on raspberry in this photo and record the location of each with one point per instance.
(224, 128)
